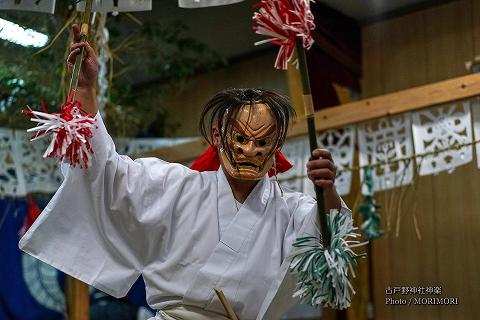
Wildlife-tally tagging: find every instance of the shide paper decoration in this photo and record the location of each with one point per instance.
(439, 129)
(11, 181)
(28, 5)
(39, 174)
(475, 108)
(341, 144)
(24, 170)
(204, 3)
(383, 143)
(118, 5)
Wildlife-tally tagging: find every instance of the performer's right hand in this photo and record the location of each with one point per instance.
(89, 70)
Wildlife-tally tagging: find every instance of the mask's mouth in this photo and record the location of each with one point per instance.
(248, 165)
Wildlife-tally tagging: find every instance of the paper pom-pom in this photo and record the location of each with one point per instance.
(283, 21)
(323, 274)
(69, 132)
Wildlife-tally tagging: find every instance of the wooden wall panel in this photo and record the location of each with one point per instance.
(372, 62)
(450, 45)
(419, 48)
(189, 100)
(449, 39)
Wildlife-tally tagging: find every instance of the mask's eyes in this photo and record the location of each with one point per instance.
(262, 143)
(239, 138)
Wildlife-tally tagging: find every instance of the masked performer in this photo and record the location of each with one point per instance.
(186, 232)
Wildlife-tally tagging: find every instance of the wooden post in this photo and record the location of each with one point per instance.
(78, 303)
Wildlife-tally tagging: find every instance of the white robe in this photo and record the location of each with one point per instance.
(176, 227)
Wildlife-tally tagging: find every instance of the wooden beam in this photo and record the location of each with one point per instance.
(353, 112)
(393, 103)
(78, 299)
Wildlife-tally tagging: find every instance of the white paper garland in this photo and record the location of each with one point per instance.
(386, 140)
(341, 144)
(475, 108)
(122, 5)
(441, 128)
(294, 150)
(29, 5)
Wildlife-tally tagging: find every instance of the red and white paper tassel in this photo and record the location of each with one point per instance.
(69, 132)
(283, 21)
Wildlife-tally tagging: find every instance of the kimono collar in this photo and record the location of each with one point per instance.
(256, 200)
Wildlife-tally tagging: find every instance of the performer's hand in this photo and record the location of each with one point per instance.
(321, 169)
(89, 70)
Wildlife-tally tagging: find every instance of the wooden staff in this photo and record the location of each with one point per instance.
(83, 37)
(77, 291)
(312, 137)
(226, 305)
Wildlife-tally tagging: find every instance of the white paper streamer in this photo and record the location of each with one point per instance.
(341, 144)
(11, 179)
(29, 5)
(23, 168)
(387, 139)
(204, 3)
(103, 58)
(475, 106)
(40, 174)
(440, 128)
(118, 5)
(294, 150)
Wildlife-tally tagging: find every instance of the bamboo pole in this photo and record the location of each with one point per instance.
(312, 137)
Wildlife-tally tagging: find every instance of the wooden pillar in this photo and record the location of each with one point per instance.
(77, 299)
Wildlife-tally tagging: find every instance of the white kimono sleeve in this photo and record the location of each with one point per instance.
(95, 227)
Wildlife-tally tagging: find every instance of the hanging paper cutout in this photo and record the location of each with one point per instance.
(102, 37)
(442, 128)
(386, 140)
(118, 5)
(475, 105)
(40, 174)
(11, 179)
(29, 5)
(340, 143)
(294, 150)
(127, 146)
(204, 3)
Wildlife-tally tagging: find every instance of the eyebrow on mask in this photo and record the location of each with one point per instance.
(245, 129)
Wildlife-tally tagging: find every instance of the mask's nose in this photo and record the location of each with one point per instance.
(249, 149)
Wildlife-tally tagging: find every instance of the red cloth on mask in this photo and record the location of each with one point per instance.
(210, 161)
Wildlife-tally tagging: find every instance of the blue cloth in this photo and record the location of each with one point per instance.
(16, 300)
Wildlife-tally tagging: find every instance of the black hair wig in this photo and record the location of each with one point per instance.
(222, 109)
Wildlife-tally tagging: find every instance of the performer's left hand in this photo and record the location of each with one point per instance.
(321, 169)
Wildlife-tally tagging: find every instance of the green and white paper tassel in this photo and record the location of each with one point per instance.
(323, 273)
